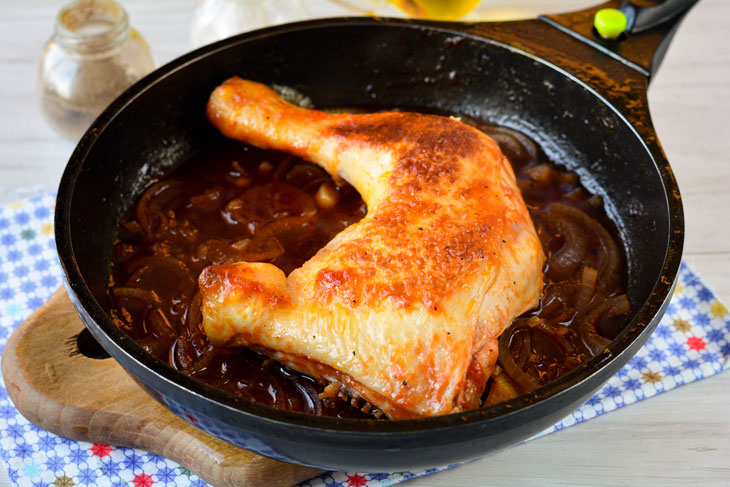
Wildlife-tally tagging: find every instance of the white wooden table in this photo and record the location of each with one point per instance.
(675, 439)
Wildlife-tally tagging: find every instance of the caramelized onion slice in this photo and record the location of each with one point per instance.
(620, 305)
(157, 323)
(178, 358)
(154, 205)
(283, 167)
(201, 363)
(609, 259)
(310, 396)
(134, 303)
(209, 200)
(556, 335)
(523, 380)
(556, 297)
(608, 308)
(565, 262)
(587, 289)
(523, 346)
(193, 315)
(516, 146)
(306, 176)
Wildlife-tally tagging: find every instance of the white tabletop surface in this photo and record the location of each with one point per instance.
(675, 439)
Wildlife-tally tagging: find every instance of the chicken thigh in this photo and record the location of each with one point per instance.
(403, 308)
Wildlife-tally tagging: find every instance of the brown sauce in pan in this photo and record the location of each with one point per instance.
(238, 203)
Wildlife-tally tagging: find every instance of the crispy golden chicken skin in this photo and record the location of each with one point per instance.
(404, 307)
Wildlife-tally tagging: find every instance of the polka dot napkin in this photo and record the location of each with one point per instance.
(691, 342)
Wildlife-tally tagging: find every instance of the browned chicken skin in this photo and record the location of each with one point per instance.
(404, 307)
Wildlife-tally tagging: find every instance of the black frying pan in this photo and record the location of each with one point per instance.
(583, 100)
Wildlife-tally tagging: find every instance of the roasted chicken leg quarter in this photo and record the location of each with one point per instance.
(404, 308)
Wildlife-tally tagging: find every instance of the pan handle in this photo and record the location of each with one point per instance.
(643, 42)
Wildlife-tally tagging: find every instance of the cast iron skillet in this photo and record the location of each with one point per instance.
(582, 99)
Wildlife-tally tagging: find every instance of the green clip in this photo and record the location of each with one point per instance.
(610, 23)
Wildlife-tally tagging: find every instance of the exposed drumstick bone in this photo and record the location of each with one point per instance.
(404, 307)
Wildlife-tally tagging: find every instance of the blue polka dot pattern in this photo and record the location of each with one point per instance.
(691, 342)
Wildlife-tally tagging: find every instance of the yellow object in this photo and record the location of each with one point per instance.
(718, 310)
(327, 196)
(437, 9)
(610, 23)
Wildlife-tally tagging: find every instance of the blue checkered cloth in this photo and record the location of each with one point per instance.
(691, 342)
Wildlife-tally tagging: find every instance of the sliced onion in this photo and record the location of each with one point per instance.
(209, 200)
(523, 380)
(157, 323)
(202, 363)
(283, 167)
(516, 146)
(523, 343)
(565, 262)
(535, 322)
(619, 305)
(608, 308)
(304, 176)
(552, 302)
(587, 289)
(310, 394)
(557, 336)
(541, 173)
(609, 259)
(193, 315)
(274, 389)
(177, 356)
(152, 209)
(133, 304)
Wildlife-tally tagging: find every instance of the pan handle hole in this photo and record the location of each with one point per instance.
(89, 347)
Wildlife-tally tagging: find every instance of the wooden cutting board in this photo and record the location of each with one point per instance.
(60, 390)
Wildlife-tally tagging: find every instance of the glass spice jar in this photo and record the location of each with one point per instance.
(91, 59)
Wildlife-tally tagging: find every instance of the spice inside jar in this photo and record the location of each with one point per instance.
(91, 59)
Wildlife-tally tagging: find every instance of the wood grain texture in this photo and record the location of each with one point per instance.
(58, 389)
(673, 440)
